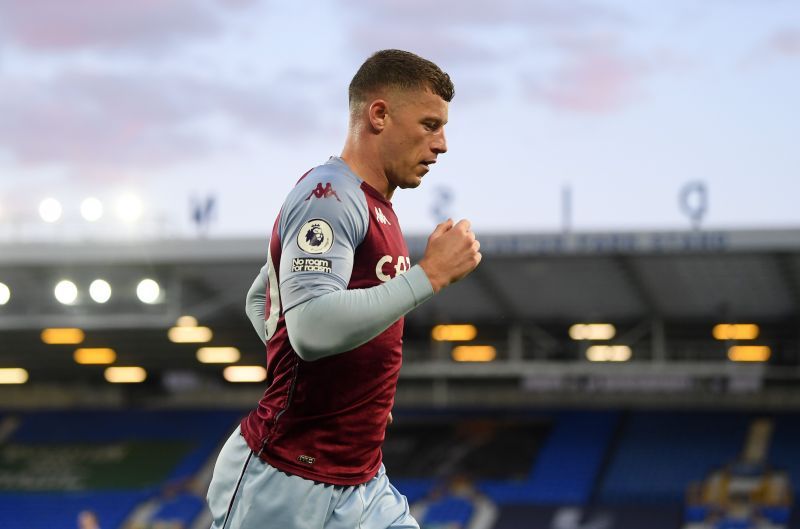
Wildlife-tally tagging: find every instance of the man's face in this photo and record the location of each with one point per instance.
(413, 137)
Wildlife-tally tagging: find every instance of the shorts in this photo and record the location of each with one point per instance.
(248, 493)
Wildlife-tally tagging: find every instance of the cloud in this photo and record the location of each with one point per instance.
(111, 120)
(476, 12)
(594, 73)
(47, 25)
(786, 42)
(467, 37)
(593, 82)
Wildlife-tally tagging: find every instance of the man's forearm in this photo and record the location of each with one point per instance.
(341, 321)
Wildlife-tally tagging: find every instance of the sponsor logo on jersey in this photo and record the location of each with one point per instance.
(315, 237)
(308, 460)
(381, 217)
(401, 266)
(323, 192)
(311, 264)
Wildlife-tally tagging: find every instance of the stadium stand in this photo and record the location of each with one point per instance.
(56, 464)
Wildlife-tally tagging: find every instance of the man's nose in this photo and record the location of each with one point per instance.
(439, 145)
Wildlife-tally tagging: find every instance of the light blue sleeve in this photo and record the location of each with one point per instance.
(323, 221)
(341, 321)
(255, 306)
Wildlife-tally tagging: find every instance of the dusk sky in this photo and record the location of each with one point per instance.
(625, 102)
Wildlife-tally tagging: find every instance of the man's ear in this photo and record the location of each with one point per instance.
(377, 115)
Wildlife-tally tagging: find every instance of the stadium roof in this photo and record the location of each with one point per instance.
(663, 290)
(546, 277)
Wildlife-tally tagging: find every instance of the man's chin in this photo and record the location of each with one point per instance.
(411, 183)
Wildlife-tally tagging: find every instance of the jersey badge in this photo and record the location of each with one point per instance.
(315, 237)
(323, 192)
(381, 217)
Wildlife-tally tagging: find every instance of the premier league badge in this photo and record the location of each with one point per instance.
(315, 237)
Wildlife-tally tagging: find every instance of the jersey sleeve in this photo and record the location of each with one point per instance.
(323, 221)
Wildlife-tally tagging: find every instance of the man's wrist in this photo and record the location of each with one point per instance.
(436, 282)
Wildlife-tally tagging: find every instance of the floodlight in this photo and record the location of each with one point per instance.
(454, 333)
(474, 353)
(66, 292)
(148, 291)
(592, 331)
(13, 375)
(129, 208)
(609, 353)
(94, 355)
(125, 375)
(5, 294)
(62, 336)
(186, 321)
(749, 353)
(100, 291)
(244, 374)
(190, 334)
(91, 209)
(50, 210)
(735, 331)
(218, 355)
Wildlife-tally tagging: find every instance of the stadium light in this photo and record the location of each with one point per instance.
(5, 293)
(218, 355)
(244, 374)
(186, 321)
(125, 375)
(129, 208)
(592, 331)
(94, 355)
(66, 292)
(50, 210)
(13, 375)
(148, 291)
(91, 209)
(608, 353)
(735, 331)
(474, 353)
(749, 353)
(454, 333)
(100, 291)
(186, 330)
(62, 336)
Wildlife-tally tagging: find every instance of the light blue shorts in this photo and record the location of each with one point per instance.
(247, 493)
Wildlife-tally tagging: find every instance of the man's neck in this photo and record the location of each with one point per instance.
(363, 162)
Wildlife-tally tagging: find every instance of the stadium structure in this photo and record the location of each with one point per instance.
(640, 380)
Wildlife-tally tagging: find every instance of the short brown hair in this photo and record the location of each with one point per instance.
(398, 69)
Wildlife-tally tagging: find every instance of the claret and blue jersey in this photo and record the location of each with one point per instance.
(325, 420)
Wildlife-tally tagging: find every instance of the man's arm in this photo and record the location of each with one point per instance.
(255, 306)
(341, 321)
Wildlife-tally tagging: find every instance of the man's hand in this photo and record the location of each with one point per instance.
(452, 253)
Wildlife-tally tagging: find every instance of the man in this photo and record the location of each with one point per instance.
(88, 520)
(330, 304)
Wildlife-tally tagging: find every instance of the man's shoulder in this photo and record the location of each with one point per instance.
(331, 181)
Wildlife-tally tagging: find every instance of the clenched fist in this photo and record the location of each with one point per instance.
(452, 253)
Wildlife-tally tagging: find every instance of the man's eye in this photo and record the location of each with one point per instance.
(430, 126)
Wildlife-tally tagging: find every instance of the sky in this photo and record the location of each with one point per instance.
(623, 103)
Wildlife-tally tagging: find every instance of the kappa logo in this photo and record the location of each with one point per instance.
(323, 192)
(381, 217)
(315, 237)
